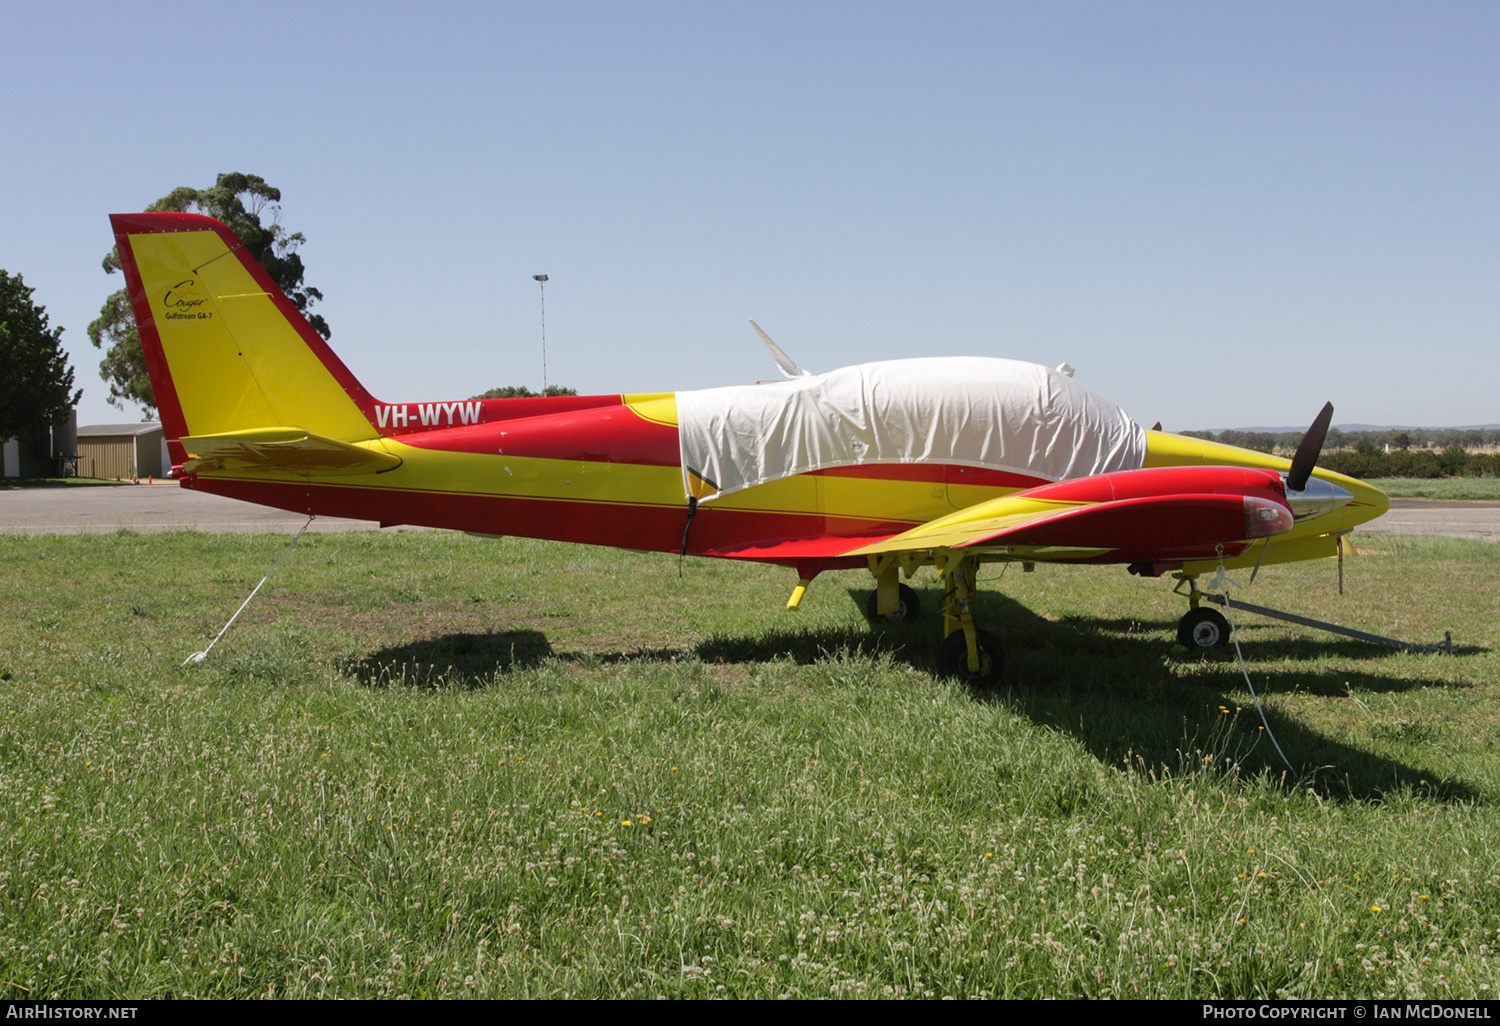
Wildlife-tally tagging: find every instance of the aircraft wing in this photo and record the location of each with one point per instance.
(1141, 514)
(285, 449)
(793, 550)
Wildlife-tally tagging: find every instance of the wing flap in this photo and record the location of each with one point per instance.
(284, 449)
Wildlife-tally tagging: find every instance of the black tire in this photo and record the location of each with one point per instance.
(953, 659)
(1202, 629)
(909, 610)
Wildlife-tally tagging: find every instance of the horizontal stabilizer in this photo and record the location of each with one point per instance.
(287, 449)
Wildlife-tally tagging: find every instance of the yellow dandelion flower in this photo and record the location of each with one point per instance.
(1376, 908)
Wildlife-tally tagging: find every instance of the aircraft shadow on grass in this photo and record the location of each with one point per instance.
(1120, 688)
(452, 660)
(1116, 685)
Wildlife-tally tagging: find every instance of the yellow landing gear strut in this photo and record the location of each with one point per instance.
(968, 653)
(892, 601)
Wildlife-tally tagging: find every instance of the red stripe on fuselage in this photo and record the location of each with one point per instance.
(602, 434)
(886, 472)
(398, 420)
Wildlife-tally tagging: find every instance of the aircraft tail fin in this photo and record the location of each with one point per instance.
(227, 351)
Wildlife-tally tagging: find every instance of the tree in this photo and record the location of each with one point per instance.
(37, 387)
(238, 200)
(522, 392)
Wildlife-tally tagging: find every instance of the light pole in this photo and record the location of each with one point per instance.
(541, 282)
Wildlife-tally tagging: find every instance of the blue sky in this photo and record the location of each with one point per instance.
(1222, 215)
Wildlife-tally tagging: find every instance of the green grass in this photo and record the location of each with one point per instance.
(409, 770)
(1487, 488)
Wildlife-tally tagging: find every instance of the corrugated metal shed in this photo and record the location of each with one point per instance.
(120, 451)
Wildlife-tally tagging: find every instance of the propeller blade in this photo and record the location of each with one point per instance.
(784, 363)
(1308, 450)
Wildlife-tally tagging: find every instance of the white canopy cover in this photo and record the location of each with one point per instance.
(974, 411)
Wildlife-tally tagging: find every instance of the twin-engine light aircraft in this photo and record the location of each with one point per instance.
(887, 467)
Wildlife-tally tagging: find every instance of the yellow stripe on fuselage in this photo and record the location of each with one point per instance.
(856, 500)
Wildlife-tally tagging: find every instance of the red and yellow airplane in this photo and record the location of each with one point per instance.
(887, 467)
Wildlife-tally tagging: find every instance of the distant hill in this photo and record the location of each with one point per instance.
(1360, 427)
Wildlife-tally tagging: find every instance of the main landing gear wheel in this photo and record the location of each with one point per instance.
(1202, 629)
(909, 610)
(953, 659)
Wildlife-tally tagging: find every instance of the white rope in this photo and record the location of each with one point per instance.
(198, 657)
(1222, 582)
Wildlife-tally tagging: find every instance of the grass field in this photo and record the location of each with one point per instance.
(432, 765)
(1439, 488)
